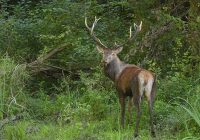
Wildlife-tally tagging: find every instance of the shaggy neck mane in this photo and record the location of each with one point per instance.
(114, 68)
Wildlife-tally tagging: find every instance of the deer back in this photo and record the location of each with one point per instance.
(132, 76)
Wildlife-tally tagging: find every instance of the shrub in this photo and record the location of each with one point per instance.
(13, 79)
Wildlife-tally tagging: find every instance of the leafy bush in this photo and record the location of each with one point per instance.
(175, 86)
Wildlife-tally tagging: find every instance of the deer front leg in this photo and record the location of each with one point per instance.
(122, 104)
(150, 106)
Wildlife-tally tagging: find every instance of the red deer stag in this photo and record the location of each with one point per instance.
(130, 80)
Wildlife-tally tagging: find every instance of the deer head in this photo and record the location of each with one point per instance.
(110, 54)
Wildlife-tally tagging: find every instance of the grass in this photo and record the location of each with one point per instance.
(76, 122)
(12, 84)
(190, 116)
(34, 130)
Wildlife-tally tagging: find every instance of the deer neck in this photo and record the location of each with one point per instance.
(114, 68)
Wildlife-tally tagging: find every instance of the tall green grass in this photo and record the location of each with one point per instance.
(189, 113)
(12, 86)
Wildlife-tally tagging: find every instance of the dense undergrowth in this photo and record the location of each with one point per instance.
(72, 99)
(89, 112)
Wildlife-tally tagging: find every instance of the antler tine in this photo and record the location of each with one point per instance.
(86, 24)
(130, 31)
(91, 31)
(137, 28)
(95, 23)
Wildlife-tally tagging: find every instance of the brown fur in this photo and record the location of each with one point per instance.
(127, 84)
(123, 82)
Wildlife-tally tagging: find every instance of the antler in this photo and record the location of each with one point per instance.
(131, 36)
(91, 31)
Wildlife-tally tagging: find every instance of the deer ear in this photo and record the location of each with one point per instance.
(100, 49)
(118, 50)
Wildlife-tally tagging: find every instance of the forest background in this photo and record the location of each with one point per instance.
(51, 81)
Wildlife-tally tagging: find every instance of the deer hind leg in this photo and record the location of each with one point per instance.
(150, 106)
(130, 104)
(137, 94)
(137, 101)
(150, 93)
(122, 104)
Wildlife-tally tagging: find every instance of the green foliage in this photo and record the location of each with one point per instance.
(16, 132)
(190, 114)
(49, 25)
(79, 102)
(12, 86)
(176, 86)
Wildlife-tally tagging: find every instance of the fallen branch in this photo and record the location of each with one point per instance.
(39, 66)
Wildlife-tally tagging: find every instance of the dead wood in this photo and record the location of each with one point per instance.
(39, 64)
